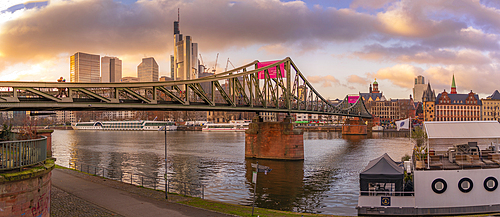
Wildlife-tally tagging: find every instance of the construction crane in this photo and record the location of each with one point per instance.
(201, 58)
(215, 67)
(227, 63)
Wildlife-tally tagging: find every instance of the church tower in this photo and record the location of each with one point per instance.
(375, 87)
(453, 87)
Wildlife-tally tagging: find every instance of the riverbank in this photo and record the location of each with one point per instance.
(76, 193)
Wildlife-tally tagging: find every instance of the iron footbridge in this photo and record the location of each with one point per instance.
(277, 87)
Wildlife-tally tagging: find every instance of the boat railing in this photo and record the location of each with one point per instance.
(446, 160)
(138, 179)
(386, 193)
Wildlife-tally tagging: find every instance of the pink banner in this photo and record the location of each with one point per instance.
(272, 71)
(352, 99)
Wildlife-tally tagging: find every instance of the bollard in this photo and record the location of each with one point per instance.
(142, 181)
(131, 177)
(202, 192)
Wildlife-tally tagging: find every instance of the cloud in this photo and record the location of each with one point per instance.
(325, 81)
(279, 49)
(422, 54)
(370, 4)
(104, 25)
(409, 19)
(400, 75)
(355, 79)
(439, 34)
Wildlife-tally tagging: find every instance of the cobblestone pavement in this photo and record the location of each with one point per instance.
(63, 204)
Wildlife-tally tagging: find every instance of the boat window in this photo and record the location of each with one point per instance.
(465, 185)
(439, 186)
(490, 184)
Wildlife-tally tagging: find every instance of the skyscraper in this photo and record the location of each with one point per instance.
(111, 69)
(148, 70)
(185, 59)
(418, 88)
(85, 68)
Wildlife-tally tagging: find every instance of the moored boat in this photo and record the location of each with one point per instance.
(125, 125)
(455, 172)
(233, 126)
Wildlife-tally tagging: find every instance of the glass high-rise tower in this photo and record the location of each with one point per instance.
(148, 70)
(111, 69)
(85, 68)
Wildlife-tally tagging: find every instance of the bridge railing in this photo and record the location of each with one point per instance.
(22, 153)
(138, 179)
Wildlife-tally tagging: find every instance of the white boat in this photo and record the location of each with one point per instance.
(458, 177)
(377, 128)
(233, 126)
(125, 125)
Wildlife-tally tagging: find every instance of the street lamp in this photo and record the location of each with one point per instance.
(164, 128)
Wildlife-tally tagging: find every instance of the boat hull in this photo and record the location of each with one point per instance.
(453, 201)
(125, 126)
(223, 130)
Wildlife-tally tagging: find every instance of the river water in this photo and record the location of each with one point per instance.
(326, 182)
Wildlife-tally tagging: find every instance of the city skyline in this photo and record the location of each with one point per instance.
(341, 46)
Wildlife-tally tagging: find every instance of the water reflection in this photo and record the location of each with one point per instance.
(280, 188)
(325, 182)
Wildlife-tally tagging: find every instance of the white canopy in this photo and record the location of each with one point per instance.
(462, 129)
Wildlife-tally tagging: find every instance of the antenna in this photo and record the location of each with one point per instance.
(178, 15)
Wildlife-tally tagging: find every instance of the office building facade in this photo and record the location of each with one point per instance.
(457, 107)
(491, 107)
(148, 70)
(111, 69)
(85, 68)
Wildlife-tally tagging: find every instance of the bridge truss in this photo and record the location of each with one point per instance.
(278, 87)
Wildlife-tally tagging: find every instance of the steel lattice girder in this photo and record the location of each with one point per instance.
(278, 87)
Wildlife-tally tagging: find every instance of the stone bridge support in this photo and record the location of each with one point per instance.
(355, 126)
(274, 140)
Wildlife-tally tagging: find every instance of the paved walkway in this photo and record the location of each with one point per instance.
(112, 198)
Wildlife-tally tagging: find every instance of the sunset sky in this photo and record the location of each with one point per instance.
(340, 46)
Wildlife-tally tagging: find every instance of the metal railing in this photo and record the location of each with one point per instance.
(386, 193)
(22, 153)
(156, 183)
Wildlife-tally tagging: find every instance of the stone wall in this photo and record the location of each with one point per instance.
(26, 193)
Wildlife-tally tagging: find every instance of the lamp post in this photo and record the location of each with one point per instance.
(164, 128)
(166, 173)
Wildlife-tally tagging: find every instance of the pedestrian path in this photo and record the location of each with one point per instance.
(119, 200)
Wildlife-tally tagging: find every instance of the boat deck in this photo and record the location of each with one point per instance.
(443, 162)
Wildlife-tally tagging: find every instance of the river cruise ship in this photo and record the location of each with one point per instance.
(125, 125)
(233, 126)
(454, 172)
